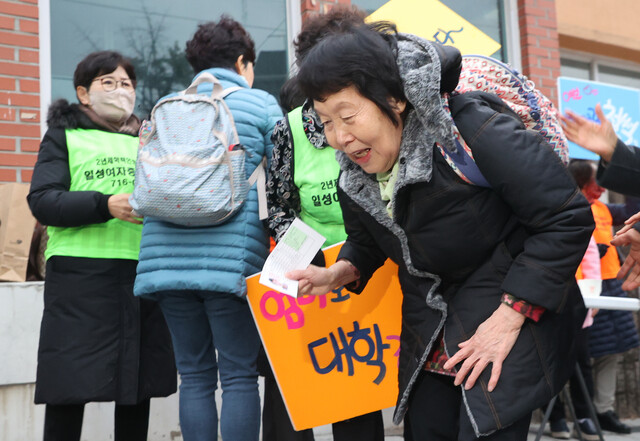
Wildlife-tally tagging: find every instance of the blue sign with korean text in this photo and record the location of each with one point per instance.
(621, 106)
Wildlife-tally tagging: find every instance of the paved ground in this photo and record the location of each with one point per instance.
(395, 435)
(608, 436)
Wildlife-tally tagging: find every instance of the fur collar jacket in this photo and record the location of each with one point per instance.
(459, 247)
(65, 115)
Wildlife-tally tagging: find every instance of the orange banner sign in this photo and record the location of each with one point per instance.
(334, 356)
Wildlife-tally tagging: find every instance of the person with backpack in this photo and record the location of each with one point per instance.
(98, 342)
(197, 273)
(490, 303)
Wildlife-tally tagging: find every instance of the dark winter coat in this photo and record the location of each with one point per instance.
(612, 332)
(459, 247)
(97, 341)
(622, 174)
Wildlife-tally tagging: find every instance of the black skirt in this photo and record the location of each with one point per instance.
(98, 342)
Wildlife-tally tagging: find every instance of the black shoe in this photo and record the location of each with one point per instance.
(610, 421)
(559, 429)
(587, 429)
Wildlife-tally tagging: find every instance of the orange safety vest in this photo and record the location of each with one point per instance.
(609, 263)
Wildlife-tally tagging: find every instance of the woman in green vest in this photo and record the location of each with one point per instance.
(303, 183)
(97, 341)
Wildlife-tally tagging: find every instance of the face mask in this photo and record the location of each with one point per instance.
(116, 105)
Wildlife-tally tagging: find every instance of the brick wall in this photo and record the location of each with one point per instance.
(539, 44)
(19, 89)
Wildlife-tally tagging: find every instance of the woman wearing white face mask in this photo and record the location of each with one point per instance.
(113, 103)
(97, 341)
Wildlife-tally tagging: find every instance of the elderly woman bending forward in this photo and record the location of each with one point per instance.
(490, 302)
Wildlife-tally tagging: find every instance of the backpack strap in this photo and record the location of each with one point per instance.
(205, 77)
(219, 97)
(259, 176)
(230, 90)
(462, 161)
(217, 92)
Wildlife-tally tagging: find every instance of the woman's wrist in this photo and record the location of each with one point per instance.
(343, 272)
(510, 316)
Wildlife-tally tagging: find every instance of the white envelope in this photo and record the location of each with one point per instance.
(590, 287)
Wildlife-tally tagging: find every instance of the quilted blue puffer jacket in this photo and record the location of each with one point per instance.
(216, 258)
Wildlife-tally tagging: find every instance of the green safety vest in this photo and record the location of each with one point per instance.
(104, 162)
(315, 173)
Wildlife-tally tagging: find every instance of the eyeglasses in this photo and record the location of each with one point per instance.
(110, 84)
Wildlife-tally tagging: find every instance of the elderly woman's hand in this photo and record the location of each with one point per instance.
(120, 208)
(491, 343)
(316, 280)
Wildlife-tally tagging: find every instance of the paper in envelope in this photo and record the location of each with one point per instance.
(295, 251)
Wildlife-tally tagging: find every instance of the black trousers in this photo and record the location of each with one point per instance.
(63, 422)
(437, 413)
(276, 425)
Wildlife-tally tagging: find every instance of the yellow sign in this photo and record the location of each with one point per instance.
(334, 356)
(432, 20)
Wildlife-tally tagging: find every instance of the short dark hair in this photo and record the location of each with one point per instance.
(582, 171)
(100, 63)
(341, 18)
(364, 58)
(219, 45)
(290, 95)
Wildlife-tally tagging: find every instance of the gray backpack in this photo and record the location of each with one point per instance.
(191, 167)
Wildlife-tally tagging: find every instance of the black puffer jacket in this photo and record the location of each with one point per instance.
(97, 341)
(49, 198)
(459, 246)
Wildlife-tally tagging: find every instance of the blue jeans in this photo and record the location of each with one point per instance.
(201, 323)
